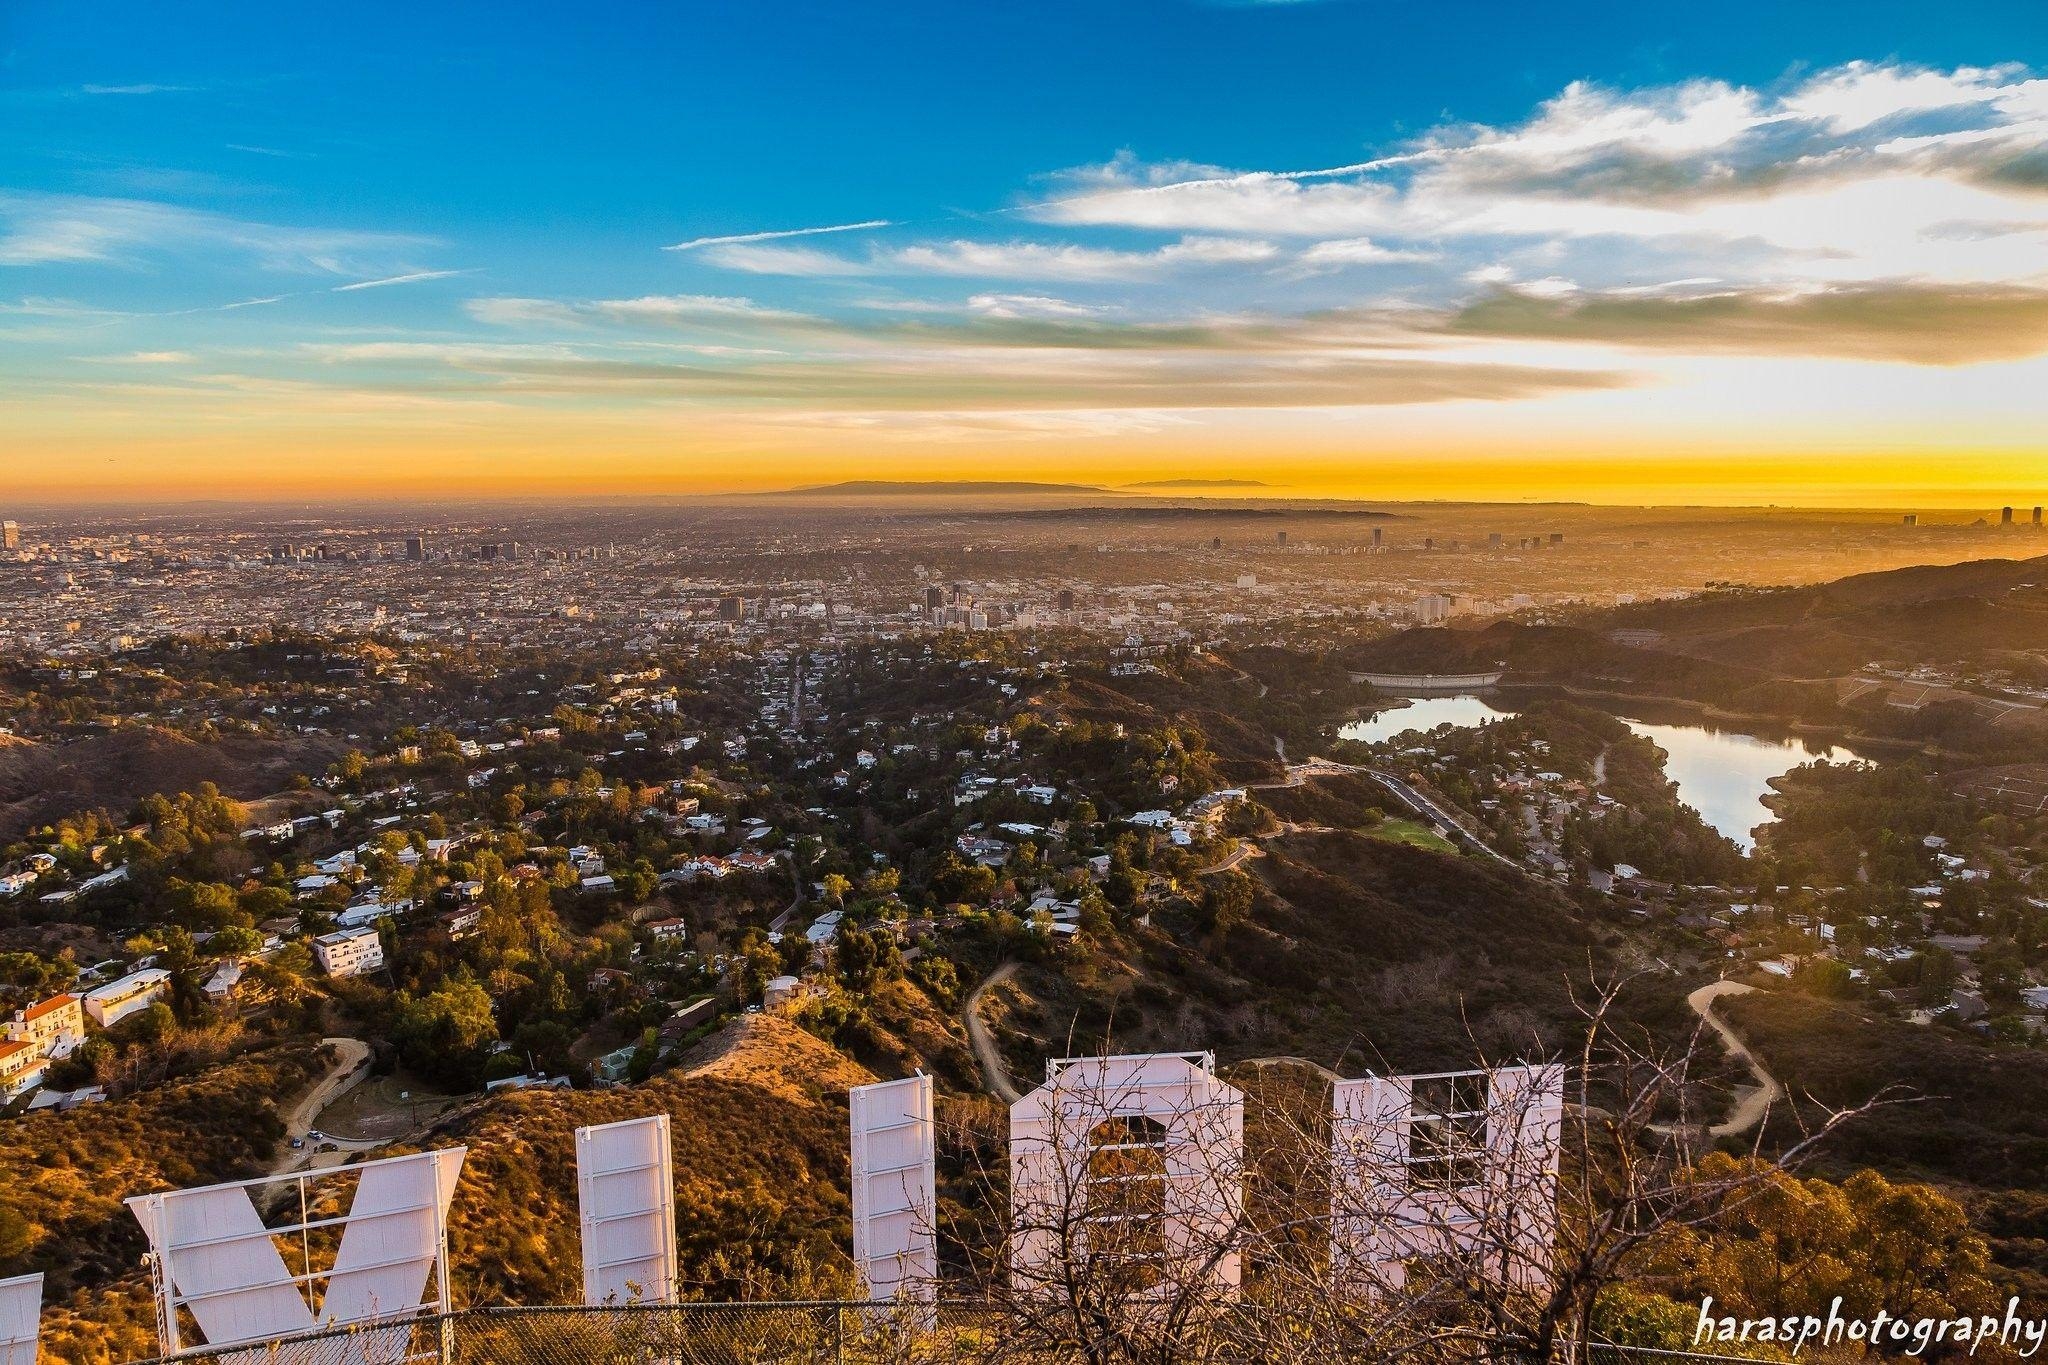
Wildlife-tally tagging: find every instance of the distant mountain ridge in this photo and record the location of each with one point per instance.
(1200, 483)
(935, 487)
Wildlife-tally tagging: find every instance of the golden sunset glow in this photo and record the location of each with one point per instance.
(1826, 288)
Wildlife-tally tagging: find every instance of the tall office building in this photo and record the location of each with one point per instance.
(2037, 518)
(2005, 517)
(10, 534)
(1280, 537)
(1910, 519)
(1215, 542)
(1379, 537)
(415, 548)
(732, 608)
(1066, 599)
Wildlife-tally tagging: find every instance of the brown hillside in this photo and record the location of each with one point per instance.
(64, 1175)
(758, 1120)
(41, 782)
(1357, 953)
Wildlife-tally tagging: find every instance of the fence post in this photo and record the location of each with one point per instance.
(839, 1336)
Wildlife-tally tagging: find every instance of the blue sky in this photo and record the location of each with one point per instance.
(447, 223)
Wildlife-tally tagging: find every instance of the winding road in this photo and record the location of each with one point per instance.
(1750, 1105)
(351, 1063)
(995, 1077)
(1244, 851)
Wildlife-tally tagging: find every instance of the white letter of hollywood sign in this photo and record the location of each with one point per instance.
(21, 1308)
(1459, 1167)
(1129, 1167)
(215, 1258)
(625, 1188)
(895, 1245)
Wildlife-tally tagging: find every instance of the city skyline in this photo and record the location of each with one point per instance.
(1765, 259)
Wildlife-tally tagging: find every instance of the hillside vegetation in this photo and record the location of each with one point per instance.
(67, 1173)
(1350, 951)
(758, 1122)
(45, 781)
(1781, 652)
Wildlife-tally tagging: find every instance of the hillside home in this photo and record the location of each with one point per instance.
(52, 1027)
(349, 952)
(108, 1005)
(21, 1068)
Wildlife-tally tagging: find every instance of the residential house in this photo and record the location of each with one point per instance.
(349, 952)
(226, 979)
(53, 1027)
(108, 1005)
(21, 1068)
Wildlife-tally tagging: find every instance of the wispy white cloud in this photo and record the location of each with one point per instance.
(1346, 251)
(1030, 306)
(691, 307)
(741, 238)
(1065, 261)
(1854, 175)
(411, 277)
(939, 378)
(802, 262)
(146, 88)
(465, 353)
(1013, 260)
(46, 229)
(649, 309)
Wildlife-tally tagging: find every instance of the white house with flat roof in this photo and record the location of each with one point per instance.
(108, 1005)
(349, 952)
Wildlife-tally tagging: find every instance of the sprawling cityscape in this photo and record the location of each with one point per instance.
(678, 686)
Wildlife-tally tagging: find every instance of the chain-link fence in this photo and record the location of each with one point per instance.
(814, 1333)
(821, 1333)
(828, 1333)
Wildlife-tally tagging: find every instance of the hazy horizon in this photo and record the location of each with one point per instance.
(1943, 513)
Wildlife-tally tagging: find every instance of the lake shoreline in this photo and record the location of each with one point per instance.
(1836, 736)
(1725, 767)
